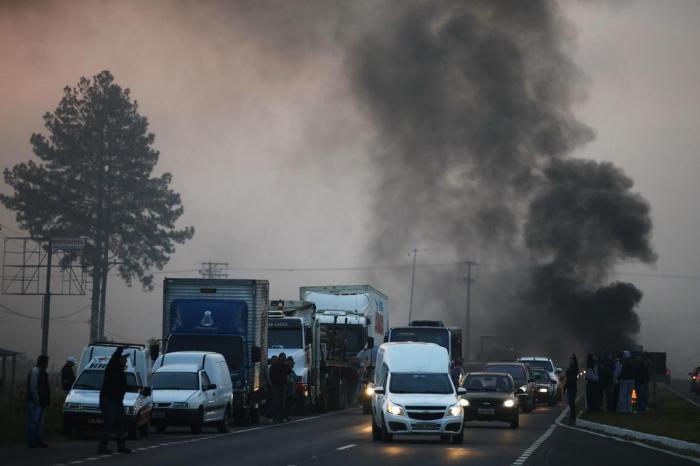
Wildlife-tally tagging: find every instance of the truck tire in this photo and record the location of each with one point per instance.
(222, 425)
(196, 426)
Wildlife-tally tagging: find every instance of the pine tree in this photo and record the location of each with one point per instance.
(95, 179)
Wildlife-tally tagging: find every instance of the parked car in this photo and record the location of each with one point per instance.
(547, 387)
(524, 381)
(490, 396)
(695, 381)
(191, 388)
(555, 373)
(413, 393)
(81, 408)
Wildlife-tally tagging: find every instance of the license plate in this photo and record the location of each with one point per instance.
(425, 426)
(489, 411)
(157, 414)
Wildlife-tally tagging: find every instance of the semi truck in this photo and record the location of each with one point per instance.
(294, 330)
(449, 338)
(351, 318)
(227, 317)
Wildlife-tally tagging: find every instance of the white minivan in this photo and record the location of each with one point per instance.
(191, 388)
(414, 394)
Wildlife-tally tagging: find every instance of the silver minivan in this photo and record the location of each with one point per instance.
(191, 388)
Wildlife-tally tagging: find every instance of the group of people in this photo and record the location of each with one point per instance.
(111, 400)
(610, 382)
(281, 386)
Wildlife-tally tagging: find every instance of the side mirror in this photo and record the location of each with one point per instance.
(461, 391)
(378, 390)
(211, 386)
(386, 337)
(256, 354)
(154, 351)
(370, 342)
(146, 391)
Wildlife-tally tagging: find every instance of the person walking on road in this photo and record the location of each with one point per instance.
(279, 372)
(68, 374)
(112, 403)
(38, 399)
(571, 386)
(290, 392)
(592, 381)
(626, 384)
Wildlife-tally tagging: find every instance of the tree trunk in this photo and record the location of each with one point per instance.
(95, 299)
(103, 288)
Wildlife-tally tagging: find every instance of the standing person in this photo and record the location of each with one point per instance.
(641, 382)
(38, 399)
(279, 371)
(592, 379)
(626, 384)
(456, 371)
(605, 374)
(269, 402)
(570, 387)
(291, 387)
(112, 403)
(68, 374)
(617, 368)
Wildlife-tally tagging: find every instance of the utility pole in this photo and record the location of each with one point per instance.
(467, 328)
(46, 310)
(214, 270)
(413, 280)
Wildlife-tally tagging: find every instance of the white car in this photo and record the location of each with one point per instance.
(553, 371)
(81, 409)
(191, 388)
(413, 393)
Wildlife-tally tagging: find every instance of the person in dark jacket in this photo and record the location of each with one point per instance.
(68, 374)
(112, 403)
(279, 372)
(626, 381)
(38, 399)
(571, 386)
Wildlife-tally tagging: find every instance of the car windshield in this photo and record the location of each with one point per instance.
(516, 371)
(439, 336)
(421, 383)
(91, 379)
(488, 383)
(175, 381)
(230, 346)
(542, 376)
(280, 337)
(544, 364)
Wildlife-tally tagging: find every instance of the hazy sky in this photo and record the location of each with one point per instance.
(256, 120)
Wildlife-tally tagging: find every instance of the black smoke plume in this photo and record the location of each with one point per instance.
(473, 102)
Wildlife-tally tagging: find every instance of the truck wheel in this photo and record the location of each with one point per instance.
(376, 431)
(458, 438)
(131, 430)
(222, 426)
(196, 427)
(515, 422)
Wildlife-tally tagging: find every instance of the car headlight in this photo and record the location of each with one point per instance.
(509, 403)
(543, 390)
(396, 410)
(523, 389)
(464, 402)
(179, 404)
(455, 409)
(369, 390)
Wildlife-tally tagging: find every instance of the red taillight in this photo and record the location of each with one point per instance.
(302, 389)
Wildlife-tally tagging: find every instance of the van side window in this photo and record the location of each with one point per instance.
(205, 379)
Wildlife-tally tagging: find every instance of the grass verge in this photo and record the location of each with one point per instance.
(672, 416)
(13, 417)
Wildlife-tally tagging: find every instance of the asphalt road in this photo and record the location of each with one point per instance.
(344, 438)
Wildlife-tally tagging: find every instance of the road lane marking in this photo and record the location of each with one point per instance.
(345, 447)
(536, 444)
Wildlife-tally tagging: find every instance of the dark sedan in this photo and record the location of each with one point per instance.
(490, 397)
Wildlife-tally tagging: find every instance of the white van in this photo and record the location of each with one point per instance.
(414, 394)
(191, 388)
(81, 408)
(138, 355)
